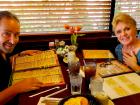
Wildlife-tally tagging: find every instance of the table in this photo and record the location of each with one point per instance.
(26, 100)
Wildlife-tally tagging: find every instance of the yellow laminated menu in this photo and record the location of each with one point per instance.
(49, 76)
(122, 85)
(95, 54)
(41, 60)
(43, 66)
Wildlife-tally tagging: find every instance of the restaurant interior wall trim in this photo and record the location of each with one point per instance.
(97, 40)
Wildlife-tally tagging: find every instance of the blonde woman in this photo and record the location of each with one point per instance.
(128, 51)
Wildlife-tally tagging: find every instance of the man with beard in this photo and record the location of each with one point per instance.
(9, 37)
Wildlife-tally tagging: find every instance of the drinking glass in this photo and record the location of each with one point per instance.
(90, 72)
(96, 85)
(90, 69)
(75, 82)
(74, 67)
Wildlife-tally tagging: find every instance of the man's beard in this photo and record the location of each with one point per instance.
(7, 50)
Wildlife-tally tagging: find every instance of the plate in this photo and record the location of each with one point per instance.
(110, 102)
(91, 99)
(48, 101)
(66, 60)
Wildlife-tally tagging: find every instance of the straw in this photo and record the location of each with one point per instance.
(57, 87)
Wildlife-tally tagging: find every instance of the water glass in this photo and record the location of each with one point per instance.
(76, 83)
(96, 85)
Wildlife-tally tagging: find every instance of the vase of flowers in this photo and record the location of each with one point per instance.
(74, 31)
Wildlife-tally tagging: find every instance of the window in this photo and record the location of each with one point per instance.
(132, 7)
(50, 15)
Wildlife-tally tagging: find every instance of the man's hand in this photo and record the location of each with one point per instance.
(29, 52)
(27, 85)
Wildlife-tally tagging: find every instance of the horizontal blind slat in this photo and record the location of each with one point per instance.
(51, 15)
(54, 2)
(56, 7)
(131, 7)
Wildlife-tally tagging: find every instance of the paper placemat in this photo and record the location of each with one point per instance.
(113, 67)
(122, 85)
(97, 54)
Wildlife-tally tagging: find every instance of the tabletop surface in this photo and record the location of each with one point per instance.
(26, 100)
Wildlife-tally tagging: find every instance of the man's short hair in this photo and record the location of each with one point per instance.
(9, 15)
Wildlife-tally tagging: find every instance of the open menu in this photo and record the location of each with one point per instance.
(49, 76)
(97, 54)
(122, 85)
(44, 66)
(41, 60)
(111, 68)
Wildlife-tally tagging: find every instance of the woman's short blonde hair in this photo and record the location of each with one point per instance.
(123, 17)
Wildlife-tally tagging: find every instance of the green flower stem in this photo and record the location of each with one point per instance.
(74, 38)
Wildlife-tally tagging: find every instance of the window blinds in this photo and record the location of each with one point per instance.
(45, 16)
(132, 7)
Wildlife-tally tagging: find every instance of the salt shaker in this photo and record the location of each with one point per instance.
(51, 46)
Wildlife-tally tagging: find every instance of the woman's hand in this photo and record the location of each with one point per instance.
(27, 85)
(130, 60)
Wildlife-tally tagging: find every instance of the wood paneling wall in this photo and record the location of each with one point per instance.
(100, 40)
